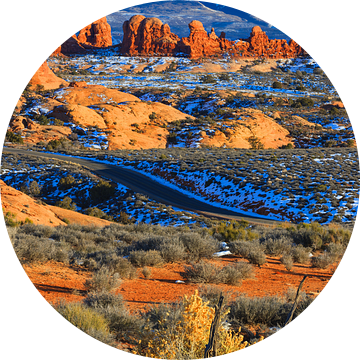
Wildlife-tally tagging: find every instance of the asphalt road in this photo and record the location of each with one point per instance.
(147, 186)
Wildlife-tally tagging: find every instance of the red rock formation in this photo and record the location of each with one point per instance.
(147, 36)
(259, 45)
(97, 34)
(46, 78)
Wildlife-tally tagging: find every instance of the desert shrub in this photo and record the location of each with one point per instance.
(337, 236)
(111, 307)
(102, 280)
(203, 272)
(199, 246)
(207, 79)
(42, 119)
(234, 230)
(67, 182)
(277, 85)
(308, 235)
(268, 310)
(13, 138)
(172, 250)
(96, 212)
(146, 272)
(210, 293)
(243, 248)
(234, 274)
(31, 249)
(34, 188)
(300, 254)
(278, 246)
(336, 251)
(143, 258)
(86, 319)
(10, 219)
(66, 203)
(123, 267)
(102, 191)
(257, 257)
(287, 261)
(322, 261)
(189, 336)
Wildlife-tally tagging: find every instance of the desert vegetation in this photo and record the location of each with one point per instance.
(114, 254)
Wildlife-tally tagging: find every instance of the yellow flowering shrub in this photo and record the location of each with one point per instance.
(190, 336)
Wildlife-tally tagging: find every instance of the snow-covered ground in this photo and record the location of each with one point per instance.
(307, 185)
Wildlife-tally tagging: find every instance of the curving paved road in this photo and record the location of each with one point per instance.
(145, 185)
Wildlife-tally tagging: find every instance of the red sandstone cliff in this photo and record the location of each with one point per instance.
(149, 36)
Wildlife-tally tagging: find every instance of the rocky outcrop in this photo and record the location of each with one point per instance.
(149, 36)
(95, 35)
(259, 45)
(24, 208)
(46, 78)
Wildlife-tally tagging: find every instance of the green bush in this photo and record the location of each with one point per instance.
(102, 191)
(67, 182)
(66, 203)
(13, 138)
(96, 212)
(277, 85)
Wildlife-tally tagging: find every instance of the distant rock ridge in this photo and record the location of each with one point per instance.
(149, 36)
(95, 35)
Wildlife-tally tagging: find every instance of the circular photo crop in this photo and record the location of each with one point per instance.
(180, 180)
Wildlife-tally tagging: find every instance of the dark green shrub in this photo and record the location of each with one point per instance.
(102, 191)
(13, 138)
(277, 85)
(96, 212)
(66, 203)
(67, 182)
